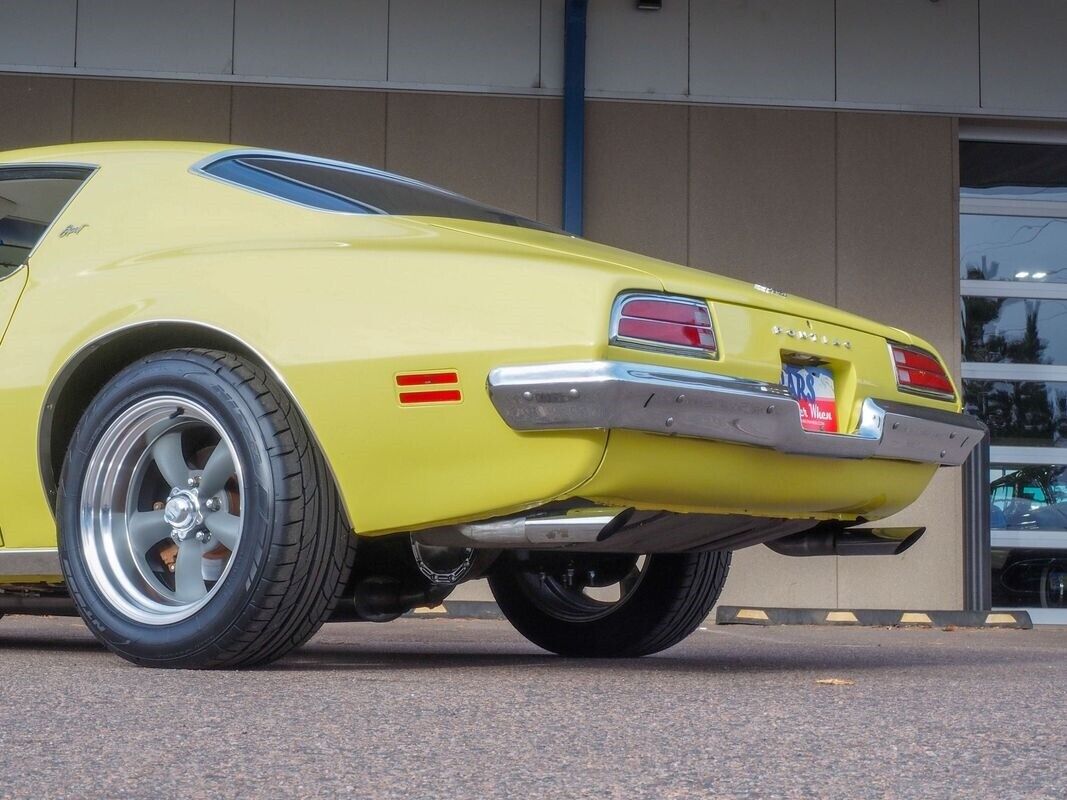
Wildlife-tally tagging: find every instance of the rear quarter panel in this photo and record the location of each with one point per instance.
(338, 305)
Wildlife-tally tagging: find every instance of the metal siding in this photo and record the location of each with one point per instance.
(193, 36)
(42, 109)
(498, 41)
(346, 125)
(1024, 60)
(482, 147)
(552, 44)
(637, 173)
(629, 50)
(762, 49)
(896, 262)
(910, 51)
(105, 110)
(38, 32)
(335, 39)
(761, 197)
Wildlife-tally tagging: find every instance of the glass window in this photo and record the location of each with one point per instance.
(1013, 230)
(1030, 413)
(30, 199)
(1028, 497)
(352, 189)
(1004, 248)
(1013, 171)
(1032, 578)
(1014, 330)
(246, 174)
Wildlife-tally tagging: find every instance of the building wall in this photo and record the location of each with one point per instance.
(857, 210)
(953, 56)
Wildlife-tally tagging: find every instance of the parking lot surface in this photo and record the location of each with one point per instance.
(447, 708)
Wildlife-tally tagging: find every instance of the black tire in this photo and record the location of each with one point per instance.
(296, 548)
(674, 596)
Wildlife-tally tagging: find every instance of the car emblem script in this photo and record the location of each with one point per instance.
(72, 230)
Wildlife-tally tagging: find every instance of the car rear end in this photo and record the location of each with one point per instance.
(723, 398)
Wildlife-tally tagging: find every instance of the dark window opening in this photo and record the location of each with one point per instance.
(354, 190)
(31, 197)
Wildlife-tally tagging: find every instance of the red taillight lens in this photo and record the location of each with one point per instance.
(918, 371)
(664, 323)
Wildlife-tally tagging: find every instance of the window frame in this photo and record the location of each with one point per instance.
(200, 168)
(971, 370)
(46, 170)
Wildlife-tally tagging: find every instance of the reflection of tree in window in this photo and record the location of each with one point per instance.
(991, 346)
(1020, 412)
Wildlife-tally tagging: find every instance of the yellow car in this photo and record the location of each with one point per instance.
(249, 391)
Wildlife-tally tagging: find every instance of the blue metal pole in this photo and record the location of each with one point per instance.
(574, 113)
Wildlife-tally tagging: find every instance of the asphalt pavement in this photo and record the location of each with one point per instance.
(445, 708)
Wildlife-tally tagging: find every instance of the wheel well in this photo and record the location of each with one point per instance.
(85, 374)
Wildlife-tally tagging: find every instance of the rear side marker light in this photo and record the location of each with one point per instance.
(660, 322)
(419, 388)
(920, 372)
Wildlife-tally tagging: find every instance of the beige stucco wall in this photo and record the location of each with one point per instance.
(857, 210)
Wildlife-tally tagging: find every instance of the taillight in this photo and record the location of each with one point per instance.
(919, 371)
(661, 322)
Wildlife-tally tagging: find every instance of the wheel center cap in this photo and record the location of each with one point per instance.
(182, 512)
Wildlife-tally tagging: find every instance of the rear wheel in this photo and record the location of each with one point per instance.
(199, 526)
(608, 605)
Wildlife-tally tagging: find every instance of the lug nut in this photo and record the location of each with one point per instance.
(194, 481)
(213, 504)
(202, 536)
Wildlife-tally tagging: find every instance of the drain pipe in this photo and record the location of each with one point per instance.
(574, 28)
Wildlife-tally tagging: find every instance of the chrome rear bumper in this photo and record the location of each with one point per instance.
(619, 395)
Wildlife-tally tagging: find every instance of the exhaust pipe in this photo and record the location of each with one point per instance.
(575, 527)
(831, 540)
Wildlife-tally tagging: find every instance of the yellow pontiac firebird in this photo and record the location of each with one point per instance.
(244, 391)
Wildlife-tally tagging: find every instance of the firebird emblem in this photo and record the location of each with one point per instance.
(72, 230)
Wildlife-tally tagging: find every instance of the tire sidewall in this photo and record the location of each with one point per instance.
(186, 376)
(626, 630)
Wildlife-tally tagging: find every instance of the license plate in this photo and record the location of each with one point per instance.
(813, 389)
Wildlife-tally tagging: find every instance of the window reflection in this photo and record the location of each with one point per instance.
(1014, 330)
(1013, 170)
(1030, 578)
(1032, 413)
(1003, 248)
(1030, 497)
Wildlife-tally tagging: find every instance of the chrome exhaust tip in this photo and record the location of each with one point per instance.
(577, 526)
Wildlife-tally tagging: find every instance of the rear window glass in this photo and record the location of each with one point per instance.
(354, 190)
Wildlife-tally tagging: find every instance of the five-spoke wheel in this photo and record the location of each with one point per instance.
(161, 509)
(199, 526)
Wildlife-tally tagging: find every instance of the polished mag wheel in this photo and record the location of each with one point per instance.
(198, 524)
(160, 528)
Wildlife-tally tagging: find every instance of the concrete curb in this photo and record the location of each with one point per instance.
(461, 609)
(750, 615)
(755, 615)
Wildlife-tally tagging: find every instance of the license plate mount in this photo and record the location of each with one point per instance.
(813, 388)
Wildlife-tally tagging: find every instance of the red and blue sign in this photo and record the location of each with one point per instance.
(813, 389)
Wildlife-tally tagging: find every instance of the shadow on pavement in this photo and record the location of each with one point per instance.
(702, 653)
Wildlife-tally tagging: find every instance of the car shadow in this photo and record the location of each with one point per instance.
(339, 658)
(701, 654)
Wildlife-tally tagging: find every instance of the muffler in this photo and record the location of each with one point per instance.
(832, 540)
